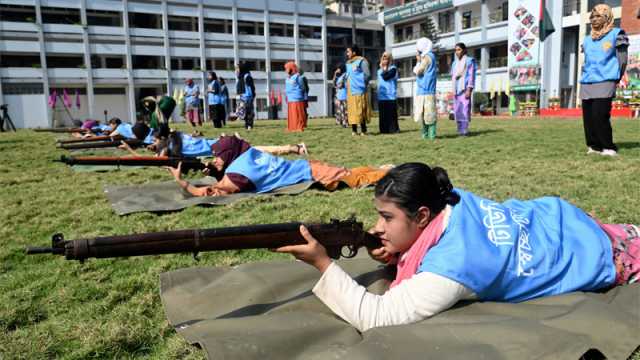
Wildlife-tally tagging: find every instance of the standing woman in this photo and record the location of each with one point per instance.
(424, 102)
(192, 104)
(358, 76)
(246, 91)
(214, 100)
(339, 82)
(295, 91)
(224, 94)
(605, 61)
(463, 73)
(387, 90)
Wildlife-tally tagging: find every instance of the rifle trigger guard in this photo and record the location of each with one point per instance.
(352, 251)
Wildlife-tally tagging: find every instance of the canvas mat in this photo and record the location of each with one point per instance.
(168, 196)
(267, 311)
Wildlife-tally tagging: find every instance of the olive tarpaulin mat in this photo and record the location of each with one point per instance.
(267, 311)
(168, 196)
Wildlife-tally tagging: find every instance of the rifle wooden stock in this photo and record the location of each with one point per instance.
(62, 130)
(335, 236)
(100, 144)
(91, 139)
(187, 162)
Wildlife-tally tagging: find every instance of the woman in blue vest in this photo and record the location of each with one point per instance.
(239, 167)
(387, 90)
(424, 102)
(605, 60)
(224, 95)
(119, 128)
(451, 245)
(296, 98)
(339, 83)
(192, 104)
(463, 73)
(215, 103)
(246, 92)
(358, 76)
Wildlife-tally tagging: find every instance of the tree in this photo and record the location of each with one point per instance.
(429, 29)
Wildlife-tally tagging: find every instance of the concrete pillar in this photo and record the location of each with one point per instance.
(296, 31)
(43, 62)
(457, 24)
(325, 68)
(131, 89)
(87, 59)
(234, 32)
(203, 60)
(582, 30)
(484, 51)
(267, 52)
(167, 46)
(552, 60)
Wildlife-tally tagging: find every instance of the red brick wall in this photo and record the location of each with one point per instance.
(630, 12)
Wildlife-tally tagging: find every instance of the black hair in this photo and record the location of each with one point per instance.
(174, 144)
(213, 75)
(343, 68)
(221, 79)
(115, 121)
(462, 46)
(140, 130)
(355, 49)
(413, 185)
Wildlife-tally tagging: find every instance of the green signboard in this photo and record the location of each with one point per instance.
(413, 9)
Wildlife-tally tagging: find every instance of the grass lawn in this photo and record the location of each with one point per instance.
(110, 308)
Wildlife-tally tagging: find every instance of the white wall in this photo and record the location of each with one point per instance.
(116, 105)
(27, 111)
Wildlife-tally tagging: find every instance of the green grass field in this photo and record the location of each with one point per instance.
(52, 308)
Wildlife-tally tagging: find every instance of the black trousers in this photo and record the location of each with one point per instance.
(388, 116)
(363, 126)
(596, 116)
(217, 115)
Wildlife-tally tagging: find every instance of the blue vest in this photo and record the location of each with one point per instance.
(305, 94)
(248, 94)
(600, 59)
(194, 147)
(426, 83)
(341, 93)
(520, 250)
(357, 80)
(148, 140)
(214, 99)
(99, 129)
(294, 88)
(387, 89)
(469, 77)
(126, 130)
(268, 172)
(224, 94)
(190, 97)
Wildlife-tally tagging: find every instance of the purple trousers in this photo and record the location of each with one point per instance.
(462, 113)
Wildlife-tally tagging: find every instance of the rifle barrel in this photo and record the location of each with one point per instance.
(90, 139)
(100, 144)
(188, 163)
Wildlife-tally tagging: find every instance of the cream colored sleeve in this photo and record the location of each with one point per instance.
(423, 295)
(420, 68)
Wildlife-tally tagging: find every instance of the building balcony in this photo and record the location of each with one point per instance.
(18, 26)
(150, 73)
(67, 73)
(20, 73)
(110, 73)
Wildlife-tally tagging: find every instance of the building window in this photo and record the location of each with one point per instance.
(54, 15)
(405, 67)
(498, 56)
(612, 3)
(277, 65)
(311, 66)
(56, 61)
(145, 21)
(22, 60)
(444, 64)
(310, 32)
(250, 28)
(261, 104)
(185, 63)
(183, 23)
(223, 64)
(217, 26)
(104, 18)
(17, 13)
(277, 29)
(147, 62)
(22, 89)
(466, 20)
(445, 21)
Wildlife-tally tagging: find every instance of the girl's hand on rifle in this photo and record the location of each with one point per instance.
(176, 171)
(381, 254)
(313, 253)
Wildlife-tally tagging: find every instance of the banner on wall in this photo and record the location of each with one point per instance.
(632, 77)
(524, 45)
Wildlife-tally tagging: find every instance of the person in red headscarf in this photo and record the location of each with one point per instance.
(295, 91)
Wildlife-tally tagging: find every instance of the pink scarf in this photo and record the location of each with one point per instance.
(66, 99)
(410, 260)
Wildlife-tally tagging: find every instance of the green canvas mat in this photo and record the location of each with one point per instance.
(267, 311)
(168, 196)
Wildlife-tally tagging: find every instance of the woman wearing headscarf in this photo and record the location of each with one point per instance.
(239, 167)
(387, 90)
(246, 91)
(463, 74)
(358, 76)
(339, 82)
(605, 61)
(424, 102)
(295, 97)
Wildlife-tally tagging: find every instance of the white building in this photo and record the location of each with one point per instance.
(113, 53)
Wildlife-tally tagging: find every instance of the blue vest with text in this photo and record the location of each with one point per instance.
(520, 250)
(341, 93)
(126, 130)
(426, 83)
(357, 79)
(148, 140)
(268, 172)
(387, 89)
(248, 94)
(193, 147)
(214, 99)
(190, 97)
(600, 59)
(294, 89)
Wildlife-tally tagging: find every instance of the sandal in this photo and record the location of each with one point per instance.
(302, 149)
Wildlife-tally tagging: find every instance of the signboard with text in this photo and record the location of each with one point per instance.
(524, 45)
(414, 9)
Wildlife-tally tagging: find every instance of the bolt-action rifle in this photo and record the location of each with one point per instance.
(340, 238)
(188, 163)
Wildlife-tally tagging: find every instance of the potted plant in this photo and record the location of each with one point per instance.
(618, 103)
(554, 103)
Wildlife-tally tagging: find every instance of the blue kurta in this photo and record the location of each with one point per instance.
(125, 130)
(268, 172)
(193, 147)
(520, 250)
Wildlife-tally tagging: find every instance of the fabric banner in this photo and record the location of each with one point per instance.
(631, 81)
(416, 8)
(524, 45)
